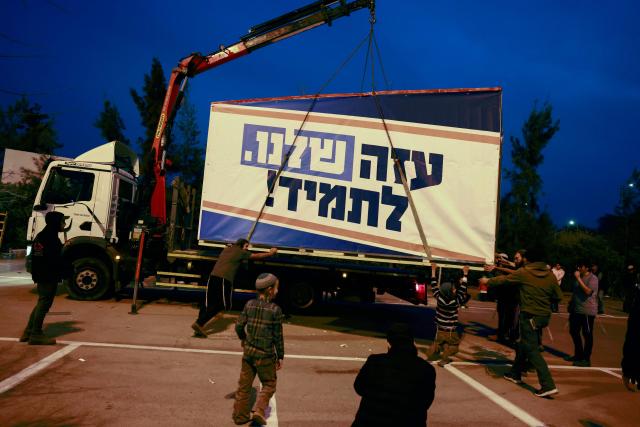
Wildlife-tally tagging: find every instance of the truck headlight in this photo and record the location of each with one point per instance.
(28, 250)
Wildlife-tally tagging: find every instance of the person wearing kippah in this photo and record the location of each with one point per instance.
(537, 287)
(259, 328)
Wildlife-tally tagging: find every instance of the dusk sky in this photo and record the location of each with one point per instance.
(581, 57)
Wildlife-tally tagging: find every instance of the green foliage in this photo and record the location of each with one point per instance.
(521, 224)
(622, 228)
(527, 156)
(149, 105)
(572, 245)
(187, 153)
(111, 124)
(24, 127)
(17, 200)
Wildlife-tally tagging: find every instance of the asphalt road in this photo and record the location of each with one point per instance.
(114, 368)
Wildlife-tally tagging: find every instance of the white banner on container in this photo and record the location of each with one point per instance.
(339, 190)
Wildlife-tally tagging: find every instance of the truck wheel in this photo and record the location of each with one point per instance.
(90, 280)
(302, 295)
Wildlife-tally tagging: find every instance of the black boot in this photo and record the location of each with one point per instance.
(41, 339)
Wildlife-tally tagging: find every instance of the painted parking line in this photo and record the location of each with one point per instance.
(514, 410)
(272, 419)
(610, 372)
(291, 356)
(16, 379)
(15, 281)
(271, 413)
(196, 350)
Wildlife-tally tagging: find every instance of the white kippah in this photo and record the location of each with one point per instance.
(265, 280)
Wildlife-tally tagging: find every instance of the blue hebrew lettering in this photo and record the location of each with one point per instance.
(331, 193)
(310, 189)
(294, 185)
(271, 176)
(322, 154)
(372, 198)
(403, 156)
(262, 146)
(400, 204)
(381, 155)
(423, 179)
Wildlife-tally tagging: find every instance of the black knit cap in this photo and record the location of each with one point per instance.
(54, 218)
(400, 335)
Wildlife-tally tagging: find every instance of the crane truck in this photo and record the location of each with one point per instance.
(358, 191)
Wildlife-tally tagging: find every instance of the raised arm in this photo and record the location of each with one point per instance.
(261, 255)
(587, 290)
(434, 280)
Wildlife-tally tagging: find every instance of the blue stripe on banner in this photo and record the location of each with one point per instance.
(467, 110)
(219, 227)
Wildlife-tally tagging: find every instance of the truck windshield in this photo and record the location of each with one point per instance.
(67, 186)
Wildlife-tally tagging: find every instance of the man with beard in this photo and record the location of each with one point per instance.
(537, 287)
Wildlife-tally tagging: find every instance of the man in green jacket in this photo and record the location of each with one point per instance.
(537, 288)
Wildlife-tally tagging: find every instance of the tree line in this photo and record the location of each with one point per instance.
(612, 244)
(24, 126)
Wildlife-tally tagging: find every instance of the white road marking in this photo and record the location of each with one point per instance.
(611, 373)
(272, 414)
(342, 358)
(608, 316)
(514, 410)
(272, 421)
(151, 347)
(16, 379)
(288, 356)
(568, 367)
(196, 350)
(14, 282)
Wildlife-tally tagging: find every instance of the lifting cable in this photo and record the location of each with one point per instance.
(372, 42)
(394, 156)
(285, 161)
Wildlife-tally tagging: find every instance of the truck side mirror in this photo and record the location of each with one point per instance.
(40, 207)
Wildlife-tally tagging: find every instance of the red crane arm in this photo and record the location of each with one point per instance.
(310, 16)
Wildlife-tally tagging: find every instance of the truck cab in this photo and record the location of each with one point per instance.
(96, 192)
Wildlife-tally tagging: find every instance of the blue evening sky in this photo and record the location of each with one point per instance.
(580, 56)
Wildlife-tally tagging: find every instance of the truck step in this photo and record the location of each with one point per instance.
(190, 255)
(179, 285)
(175, 274)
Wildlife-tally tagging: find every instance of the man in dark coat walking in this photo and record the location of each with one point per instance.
(47, 270)
(397, 387)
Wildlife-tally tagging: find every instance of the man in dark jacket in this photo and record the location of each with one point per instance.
(537, 288)
(397, 387)
(46, 270)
